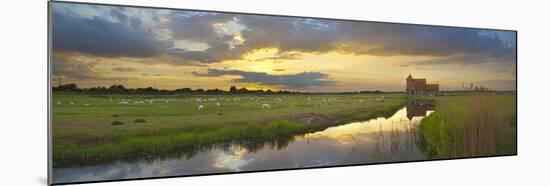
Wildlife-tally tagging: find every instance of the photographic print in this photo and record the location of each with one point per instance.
(139, 92)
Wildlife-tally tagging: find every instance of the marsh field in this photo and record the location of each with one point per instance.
(98, 137)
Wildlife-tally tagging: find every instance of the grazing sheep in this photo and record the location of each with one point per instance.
(86, 104)
(123, 103)
(266, 106)
(72, 103)
(201, 107)
(380, 99)
(218, 104)
(59, 102)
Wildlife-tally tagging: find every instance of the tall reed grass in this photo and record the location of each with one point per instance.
(479, 124)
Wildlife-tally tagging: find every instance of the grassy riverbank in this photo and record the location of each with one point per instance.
(478, 124)
(90, 129)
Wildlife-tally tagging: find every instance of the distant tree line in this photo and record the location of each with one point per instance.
(120, 89)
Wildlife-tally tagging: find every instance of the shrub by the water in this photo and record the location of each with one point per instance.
(139, 120)
(117, 123)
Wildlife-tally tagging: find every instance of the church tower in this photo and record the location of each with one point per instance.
(409, 89)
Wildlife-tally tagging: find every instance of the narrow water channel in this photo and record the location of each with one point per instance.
(372, 141)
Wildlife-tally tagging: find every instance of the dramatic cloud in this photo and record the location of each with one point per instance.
(71, 67)
(79, 67)
(231, 36)
(300, 80)
(101, 37)
(323, 36)
(124, 69)
(88, 38)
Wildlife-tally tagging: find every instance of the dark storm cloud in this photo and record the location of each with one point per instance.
(300, 80)
(357, 38)
(101, 37)
(199, 27)
(117, 13)
(286, 34)
(76, 70)
(124, 69)
(291, 34)
(400, 39)
(128, 37)
(320, 36)
(70, 66)
(196, 26)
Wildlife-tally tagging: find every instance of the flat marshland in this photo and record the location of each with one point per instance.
(90, 128)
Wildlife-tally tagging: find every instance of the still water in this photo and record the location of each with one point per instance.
(372, 141)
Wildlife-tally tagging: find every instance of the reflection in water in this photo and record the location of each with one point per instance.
(372, 141)
(419, 109)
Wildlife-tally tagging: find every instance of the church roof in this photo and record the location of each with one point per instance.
(409, 77)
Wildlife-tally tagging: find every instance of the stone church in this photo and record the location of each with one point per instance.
(419, 86)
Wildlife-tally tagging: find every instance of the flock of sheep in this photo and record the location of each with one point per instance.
(201, 100)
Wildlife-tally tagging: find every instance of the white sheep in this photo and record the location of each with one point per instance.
(86, 104)
(201, 107)
(266, 106)
(123, 103)
(59, 102)
(72, 103)
(218, 104)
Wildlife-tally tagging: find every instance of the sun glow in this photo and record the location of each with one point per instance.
(261, 54)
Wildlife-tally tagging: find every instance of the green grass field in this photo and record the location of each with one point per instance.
(94, 128)
(479, 124)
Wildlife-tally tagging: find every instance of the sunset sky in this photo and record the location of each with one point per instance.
(138, 47)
